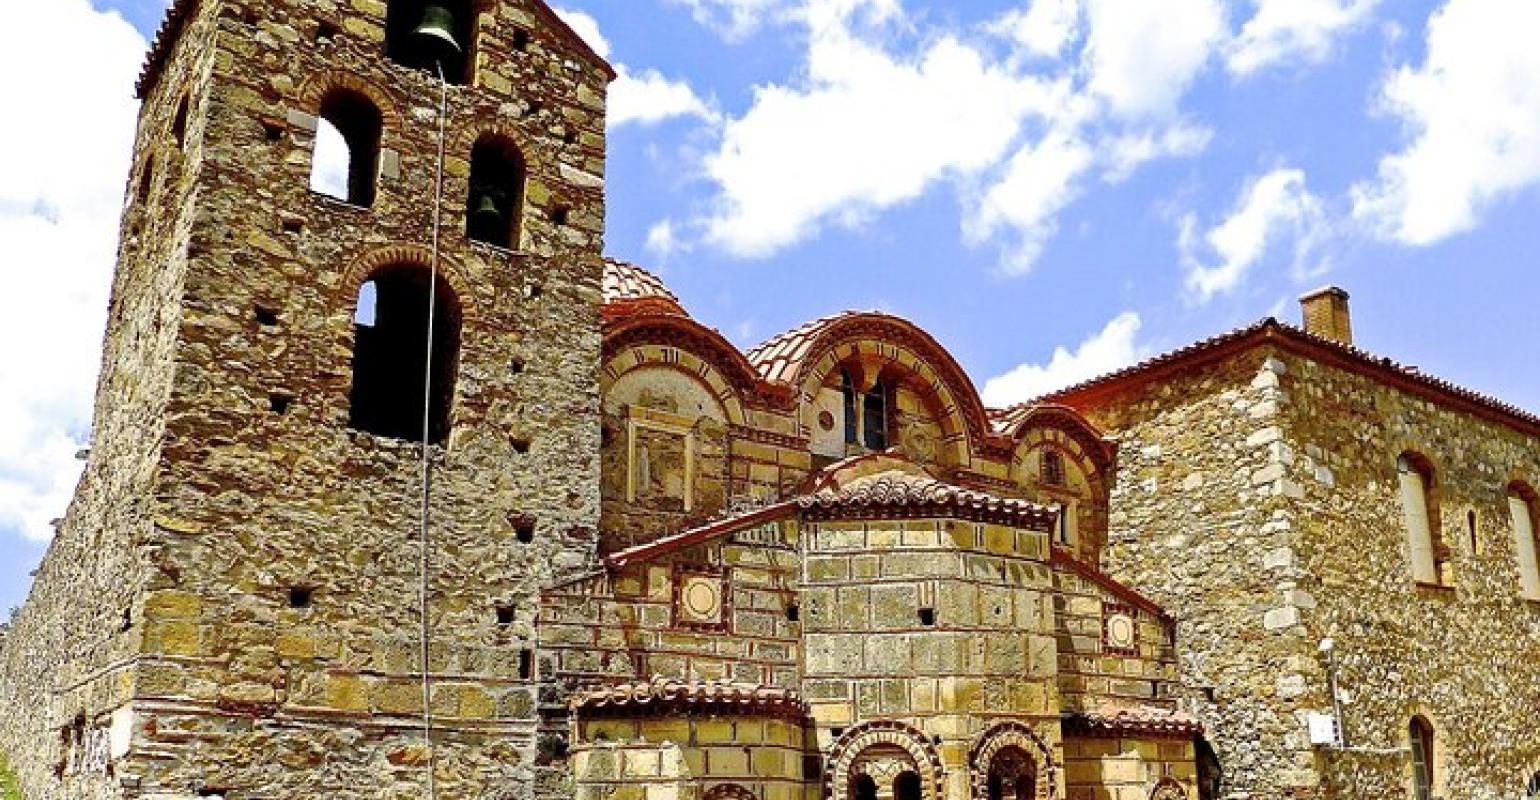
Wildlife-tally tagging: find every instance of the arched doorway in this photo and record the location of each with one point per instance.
(1012, 762)
(1012, 775)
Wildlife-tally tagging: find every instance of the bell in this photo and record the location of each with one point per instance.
(485, 210)
(435, 34)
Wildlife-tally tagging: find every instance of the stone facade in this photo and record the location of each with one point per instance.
(1257, 501)
(660, 568)
(231, 605)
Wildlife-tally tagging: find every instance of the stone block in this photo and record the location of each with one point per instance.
(1281, 618)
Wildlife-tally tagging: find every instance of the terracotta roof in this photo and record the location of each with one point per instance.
(182, 10)
(778, 358)
(1067, 560)
(1308, 344)
(663, 695)
(1142, 721)
(702, 533)
(892, 494)
(624, 282)
(908, 493)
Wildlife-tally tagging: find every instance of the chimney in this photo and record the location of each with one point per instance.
(1327, 316)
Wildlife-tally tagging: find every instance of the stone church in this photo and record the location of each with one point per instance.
(403, 490)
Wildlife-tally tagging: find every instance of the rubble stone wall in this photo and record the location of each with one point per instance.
(1464, 654)
(226, 479)
(1257, 501)
(1201, 524)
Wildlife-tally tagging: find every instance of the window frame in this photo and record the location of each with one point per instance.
(1412, 463)
(1422, 738)
(1520, 495)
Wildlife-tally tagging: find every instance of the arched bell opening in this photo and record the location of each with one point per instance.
(345, 161)
(495, 205)
(392, 358)
(430, 34)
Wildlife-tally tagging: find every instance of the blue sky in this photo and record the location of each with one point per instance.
(1052, 187)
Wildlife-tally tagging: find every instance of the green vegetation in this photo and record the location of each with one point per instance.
(8, 788)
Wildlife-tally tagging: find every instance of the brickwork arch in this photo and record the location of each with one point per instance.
(729, 791)
(687, 364)
(359, 270)
(1018, 736)
(911, 367)
(318, 86)
(847, 752)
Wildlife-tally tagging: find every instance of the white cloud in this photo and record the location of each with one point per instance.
(1114, 347)
(870, 124)
(64, 172)
(1294, 31)
(1128, 152)
(587, 28)
(735, 19)
(645, 97)
(661, 240)
(1143, 55)
(1042, 29)
(1276, 207)
(868, 130)
(1040, 181)
(648, 97)
(1472, 111)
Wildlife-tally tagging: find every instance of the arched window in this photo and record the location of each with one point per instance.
(907, 786)
(391, 358)
(495, 206)
(427, 34)
(874, 418)
(1420, 514)
(1421, 734)
(346, 159)
(1521, 508)
(848, 389)
(147, 179)
(1052, 468)
(864, 787)
(867, 417)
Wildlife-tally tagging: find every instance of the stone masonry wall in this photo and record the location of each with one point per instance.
(1257, 501)
(689, 757)
(630, 626)
(225, 476)
(1466, 656)
(985, 654)
(1202, 523)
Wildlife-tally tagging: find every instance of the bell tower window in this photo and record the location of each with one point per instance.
(1053, 468)
(874, 417)
(346, 160)
(429, 34)
(391, 357)
(495, 206)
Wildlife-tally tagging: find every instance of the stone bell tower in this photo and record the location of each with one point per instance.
(232, 607)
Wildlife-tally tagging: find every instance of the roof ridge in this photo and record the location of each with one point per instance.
(1526, 419)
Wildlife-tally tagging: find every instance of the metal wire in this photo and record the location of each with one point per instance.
(427, 429)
